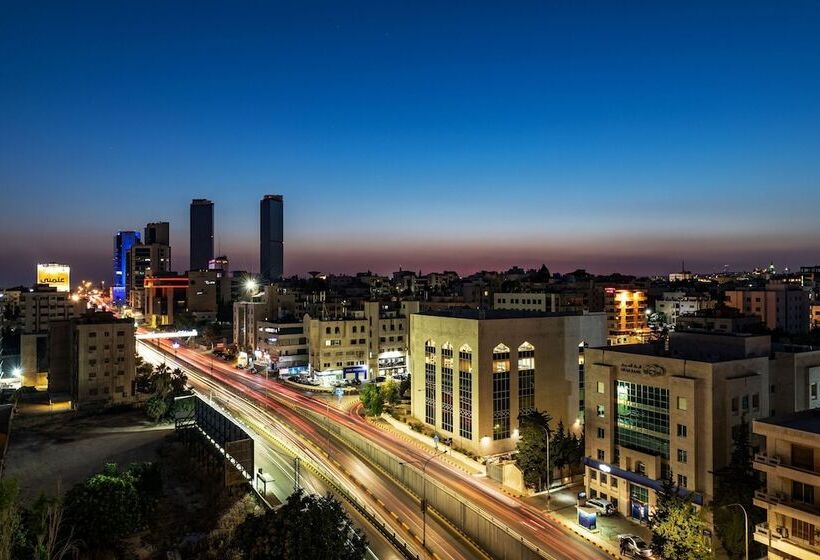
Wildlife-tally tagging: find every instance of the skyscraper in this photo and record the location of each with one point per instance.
(157, 233)
(202, 233)
(123, 242)
(271, 242)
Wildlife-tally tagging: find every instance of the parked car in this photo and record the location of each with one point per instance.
(380, 379)
(634, 546)
(603, 507)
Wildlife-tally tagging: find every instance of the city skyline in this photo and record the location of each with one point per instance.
(424, 137)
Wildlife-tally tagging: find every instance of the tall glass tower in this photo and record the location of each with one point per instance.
(123, 242)
(271, 237)
(202, 233)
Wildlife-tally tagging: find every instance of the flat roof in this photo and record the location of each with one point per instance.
(805, 421)
(488, 314)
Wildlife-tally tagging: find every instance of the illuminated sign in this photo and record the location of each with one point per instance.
(54, 275)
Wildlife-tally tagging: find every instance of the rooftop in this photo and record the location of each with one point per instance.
(805, 421)
(488, 314)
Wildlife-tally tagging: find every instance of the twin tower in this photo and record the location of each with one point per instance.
(271, 235)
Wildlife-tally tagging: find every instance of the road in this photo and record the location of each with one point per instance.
(271, 422)
(523, 518)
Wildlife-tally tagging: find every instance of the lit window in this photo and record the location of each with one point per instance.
(683, 403)
(601, 387)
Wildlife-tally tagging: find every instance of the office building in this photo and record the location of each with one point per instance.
(474, 371)
(202, 233)
(246, 318)
(91, 358)
(271, 242)
(166, 295)
(781, 306)
(157, 233)
(653, 412)
(219, 263)
(55, 275)
(790, 466)
(123, 242)
(209, 294)
(524, 301)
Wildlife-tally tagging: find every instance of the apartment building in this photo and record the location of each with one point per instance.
(652, 411)
(91, 358)
(781, 306)
(625, 310)
(282, 346)
(790, 465)
(475, 371)
(166, 295)
(675, 304)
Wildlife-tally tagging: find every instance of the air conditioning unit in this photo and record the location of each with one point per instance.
(775, 459)
(782, 531)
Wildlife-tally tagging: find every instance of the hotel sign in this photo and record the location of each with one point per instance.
(653, 370)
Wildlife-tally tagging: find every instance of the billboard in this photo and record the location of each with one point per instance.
(54, 275)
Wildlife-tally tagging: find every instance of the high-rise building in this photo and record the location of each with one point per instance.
(271, 237)
(143, 261)
(123, 242)
(157, 233)
(202, 233)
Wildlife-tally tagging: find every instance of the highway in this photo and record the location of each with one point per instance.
(273, 423)
(532, 524)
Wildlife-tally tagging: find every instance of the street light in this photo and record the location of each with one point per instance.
(746, 526)
(424, 462)
(549, 470)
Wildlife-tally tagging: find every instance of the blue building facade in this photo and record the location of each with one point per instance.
(123, 242)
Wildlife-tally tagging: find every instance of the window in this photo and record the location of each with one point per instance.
(756, 401)
(744, 402)
(813, 391)
(683, 403)
(681, 431)
(803, 492)
(526, 378)
(600, 433)
(681, 455)
(614, 484)
(803, 457)
(803, 530)
(600, 410)
(430, 382)
(601, 455)
(593, 474)
(465, 392)
(447, 387)
(734, 405)
(601, 387)
(640, 468)
(501, 405)
(682, 481)
(603, 478)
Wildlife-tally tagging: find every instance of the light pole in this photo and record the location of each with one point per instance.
(746, 526)
(424, 463)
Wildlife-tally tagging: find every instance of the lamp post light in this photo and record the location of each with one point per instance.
(549, 470)
(424, 463)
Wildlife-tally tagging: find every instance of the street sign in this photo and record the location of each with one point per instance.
(339, 392)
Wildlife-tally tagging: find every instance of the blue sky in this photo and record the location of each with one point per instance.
(465, 135)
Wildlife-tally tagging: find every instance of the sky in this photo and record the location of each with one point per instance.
(426, 135)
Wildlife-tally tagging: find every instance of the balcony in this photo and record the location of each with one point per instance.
(779, 539)
(783, 504)
(773, 465)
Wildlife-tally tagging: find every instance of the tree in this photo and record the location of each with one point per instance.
(104, 508)
(390, 392)
(678, 526)
(560, 447)
(371, 397)
(531, 458)
(308, 527)
(9, 517)
(404, 387)
(45, 537)
(178, 381)
(156, 407)
(736, 483)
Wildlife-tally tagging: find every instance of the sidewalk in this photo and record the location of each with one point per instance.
(470, 466)
(561, 507)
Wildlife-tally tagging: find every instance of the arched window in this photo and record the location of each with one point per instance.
(430, 382)
(501, 392)
(581, 391)
(501, 358)
(526, 378)
(465, 392)
(447, 387)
